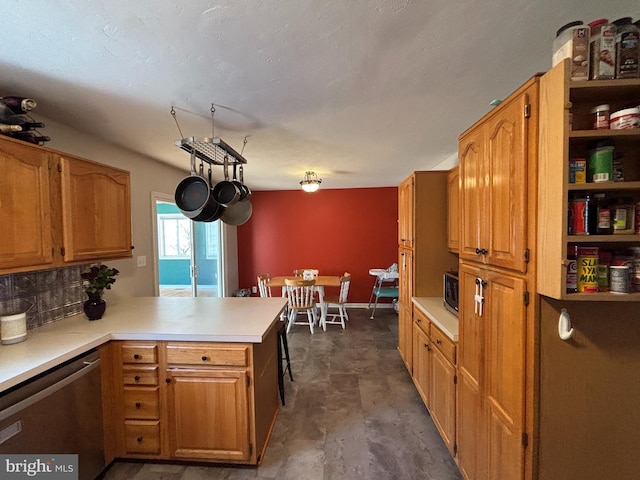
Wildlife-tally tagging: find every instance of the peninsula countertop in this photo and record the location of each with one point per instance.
(229, 319)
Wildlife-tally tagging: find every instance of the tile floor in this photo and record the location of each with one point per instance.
(352, 412)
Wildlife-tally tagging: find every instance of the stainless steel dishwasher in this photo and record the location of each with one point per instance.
(59, 411)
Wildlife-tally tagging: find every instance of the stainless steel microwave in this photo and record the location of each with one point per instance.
(450, 292)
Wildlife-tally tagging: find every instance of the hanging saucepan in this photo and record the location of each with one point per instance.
(245, 192)
(225, 192)
(192, 193)
(238, 213)
(212, 209)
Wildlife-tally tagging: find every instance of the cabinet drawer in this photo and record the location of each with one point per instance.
(444, 343)
(135, 375)
(142, 437)
(139, 354)
(141, 403)
(207, 354)
(422, 321)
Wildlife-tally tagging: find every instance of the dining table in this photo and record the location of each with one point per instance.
(321, 281)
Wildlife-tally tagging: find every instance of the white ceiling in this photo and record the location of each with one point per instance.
(362, 92)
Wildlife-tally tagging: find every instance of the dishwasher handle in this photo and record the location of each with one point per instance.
(88, 367)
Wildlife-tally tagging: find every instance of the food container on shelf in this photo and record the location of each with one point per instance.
(626, 118)
(602, 50)
(572, 41)
(600, 117)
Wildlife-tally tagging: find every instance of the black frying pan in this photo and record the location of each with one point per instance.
(192, 193)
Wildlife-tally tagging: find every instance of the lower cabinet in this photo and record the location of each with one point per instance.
(194, 401)
(434, 374)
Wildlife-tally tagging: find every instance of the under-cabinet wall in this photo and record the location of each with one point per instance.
(589, 390)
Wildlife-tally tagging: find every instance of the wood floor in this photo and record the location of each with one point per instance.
(352, 412)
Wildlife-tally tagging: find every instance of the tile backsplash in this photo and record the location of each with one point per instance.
(46, 295)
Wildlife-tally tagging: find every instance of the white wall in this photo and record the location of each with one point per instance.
(147, 175)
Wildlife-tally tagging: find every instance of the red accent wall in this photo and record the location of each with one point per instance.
(335, 231)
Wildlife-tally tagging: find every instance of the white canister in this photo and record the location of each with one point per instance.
(627, 118)
(13, 328)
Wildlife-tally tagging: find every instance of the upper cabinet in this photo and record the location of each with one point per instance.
(497, 164)
(559, 143)
(405, 213)
(59, 210)
(25, 206)
(96, 210)
(453, 209)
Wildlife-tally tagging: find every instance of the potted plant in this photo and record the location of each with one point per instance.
(98, 278)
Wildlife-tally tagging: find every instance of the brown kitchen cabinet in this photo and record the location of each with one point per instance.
(423, 256)
(495, 429)
(559, 143)
(26, 207)
(491, 374)
(405, 318)
(498, 158)
(453, 210)
(60, 210)
(191, 401)
(434, 374)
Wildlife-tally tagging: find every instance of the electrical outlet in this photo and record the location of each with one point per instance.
(254, 289)
(142, 261)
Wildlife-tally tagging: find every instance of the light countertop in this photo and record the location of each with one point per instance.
(433, 308)
(233, 319)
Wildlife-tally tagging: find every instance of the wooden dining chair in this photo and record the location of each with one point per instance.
(301, 297)
(337, 301)
(263, 288)
(283, 344)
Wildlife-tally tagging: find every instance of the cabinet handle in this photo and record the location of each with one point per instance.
(138, 404)
(481, 251)
(204, 358)
(438, 342)
(418, 320)
(167, 380)
(139, 439)
(426, 345)
(137, 378)
(136, 356)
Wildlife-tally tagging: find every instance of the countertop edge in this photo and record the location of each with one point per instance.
(433, 308)
(91, 335)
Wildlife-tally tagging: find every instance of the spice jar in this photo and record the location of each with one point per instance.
(627, 48)
(572, 268)
(600, 117)
(602, 50)
(604, 261)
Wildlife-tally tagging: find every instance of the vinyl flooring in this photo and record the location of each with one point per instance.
(352, 412)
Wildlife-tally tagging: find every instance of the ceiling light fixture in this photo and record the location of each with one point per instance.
(310, 183)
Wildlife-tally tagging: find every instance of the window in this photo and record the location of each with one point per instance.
(212, 236)
(174, 239)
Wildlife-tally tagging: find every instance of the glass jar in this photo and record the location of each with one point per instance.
(627, 48)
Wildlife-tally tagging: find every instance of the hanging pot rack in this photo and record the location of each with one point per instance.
(212, 150)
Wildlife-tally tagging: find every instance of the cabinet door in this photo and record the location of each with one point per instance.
(209, 414)
(504, 368)
(405, 336)
(96, 210)
(422, 364)
(471, 437)
(491, 375)
(505, 214)
(453, 210)
(474, 210)
(25, 206)
(405, 213)
(443, 397)
(405, 277)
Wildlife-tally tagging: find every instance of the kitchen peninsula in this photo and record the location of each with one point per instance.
(182, 378)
